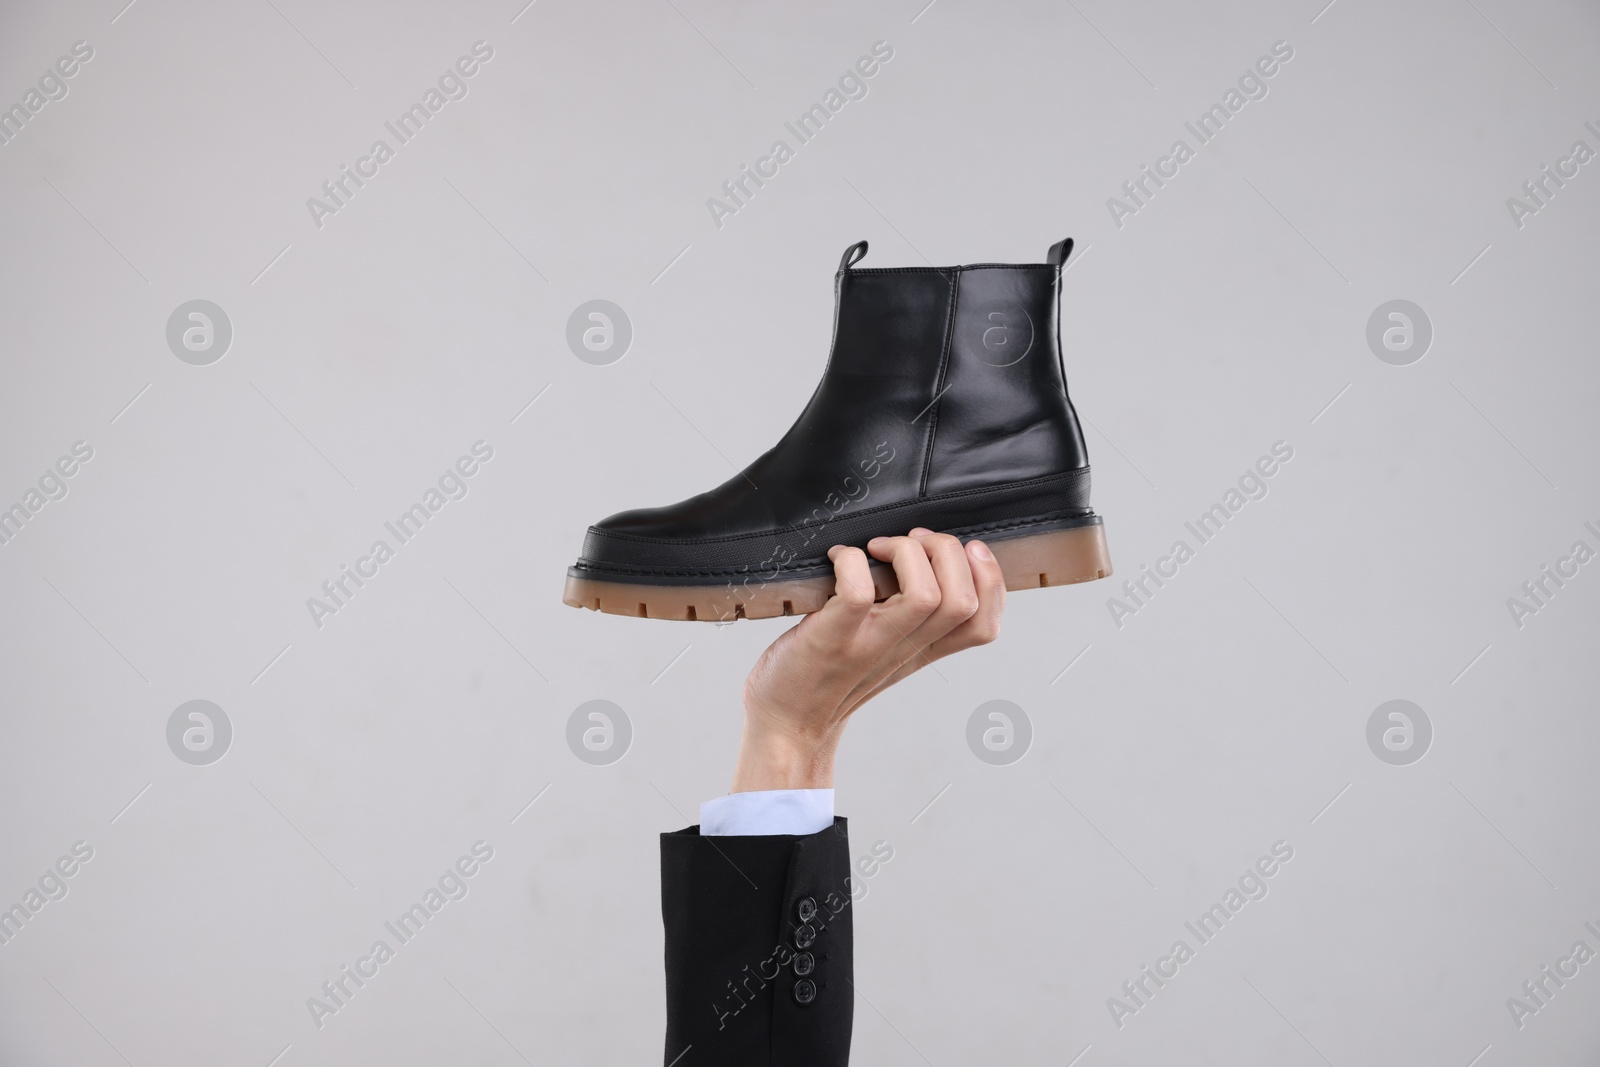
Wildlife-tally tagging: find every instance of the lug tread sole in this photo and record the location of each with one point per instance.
(1034, 561)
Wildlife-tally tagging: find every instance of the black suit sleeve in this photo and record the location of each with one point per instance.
(758, 949)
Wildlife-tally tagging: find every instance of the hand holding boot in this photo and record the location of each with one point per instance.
(806, 685)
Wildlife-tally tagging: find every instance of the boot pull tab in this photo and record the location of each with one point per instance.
(856, 253)
(1059, 252)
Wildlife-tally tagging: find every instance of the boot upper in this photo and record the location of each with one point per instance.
(944, 393)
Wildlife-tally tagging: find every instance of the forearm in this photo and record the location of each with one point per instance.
(771, 758)
(756, 899)
(758, 932)
(759, 948)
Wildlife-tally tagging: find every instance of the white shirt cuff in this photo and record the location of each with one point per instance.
(766, 812)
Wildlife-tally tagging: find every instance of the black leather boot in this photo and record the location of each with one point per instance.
(944, 405)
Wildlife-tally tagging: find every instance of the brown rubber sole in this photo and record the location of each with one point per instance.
(1031, 561)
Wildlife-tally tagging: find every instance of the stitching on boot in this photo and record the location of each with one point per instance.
(1044, 479)
(816, 563)
(935, 270)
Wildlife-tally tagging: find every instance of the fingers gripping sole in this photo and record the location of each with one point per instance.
(1033, 561)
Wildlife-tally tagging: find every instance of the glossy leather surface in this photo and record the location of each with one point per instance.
(1004, 415)
(941, 380)
(888, 332)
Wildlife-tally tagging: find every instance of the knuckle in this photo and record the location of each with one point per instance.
(985, 630)
(963, 606)
(924, 601)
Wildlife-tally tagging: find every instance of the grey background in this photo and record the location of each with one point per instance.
(369, 354)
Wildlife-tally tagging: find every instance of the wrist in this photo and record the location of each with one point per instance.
(772, 758)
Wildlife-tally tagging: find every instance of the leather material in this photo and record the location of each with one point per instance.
(853, 255)
(943, 403)
(1004, 414)
(990, 512)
